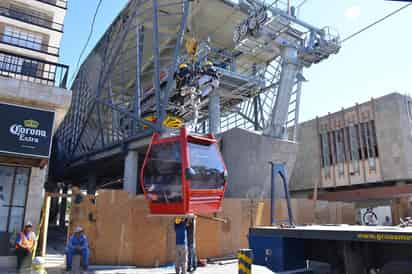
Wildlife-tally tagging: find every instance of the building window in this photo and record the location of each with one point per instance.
(370, 137)
(10, 63)
(354, 151)
(29, 68)
(325, 150)
(31, 15)
(22, 38)
(14, 182)
(368, 132)
(340, 148)
(16, 65)
(332, 148)
(365, 139)
(359, 141)
(346, 142)
(374, 139)
(340, 151)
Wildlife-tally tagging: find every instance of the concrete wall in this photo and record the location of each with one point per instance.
(30, 94)
(35, 196)
(307, 166)
(393, 125)
(405, 108)
(390, 136)
(247, 157)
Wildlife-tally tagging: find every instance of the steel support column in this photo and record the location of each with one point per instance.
(131, 171)
(297, 109)
(156, 63)
(277, 127)
(138, 88)
(214, 113)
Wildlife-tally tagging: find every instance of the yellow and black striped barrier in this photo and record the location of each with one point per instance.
(245, 261)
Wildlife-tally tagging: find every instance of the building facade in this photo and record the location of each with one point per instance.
(33, 102)
(364, 146)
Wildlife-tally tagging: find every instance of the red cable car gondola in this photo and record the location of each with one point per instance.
(183, 174)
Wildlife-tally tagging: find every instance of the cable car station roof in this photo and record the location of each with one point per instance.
(129, 75)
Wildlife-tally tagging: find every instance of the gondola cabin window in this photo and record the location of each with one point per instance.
(208, 167)
(163, 176)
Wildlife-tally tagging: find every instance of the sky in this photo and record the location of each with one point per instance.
(375, 63)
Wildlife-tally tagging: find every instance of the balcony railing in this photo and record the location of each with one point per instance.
(33, 70)
(31, 19)
(21, 42)
(57, 3)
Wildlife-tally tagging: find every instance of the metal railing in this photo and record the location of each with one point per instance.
(18, 41)
(30, 18)
(33, 70)
(57, 3)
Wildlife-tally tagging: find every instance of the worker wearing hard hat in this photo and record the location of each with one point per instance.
(209, 80)
(77, 245)
(182, 75)
(181, 245)
(24, 246)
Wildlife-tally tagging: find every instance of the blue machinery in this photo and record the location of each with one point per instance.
(286, 248)
(269, 250)
(279, 169)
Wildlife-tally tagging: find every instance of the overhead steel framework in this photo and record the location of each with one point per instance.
(258, 50)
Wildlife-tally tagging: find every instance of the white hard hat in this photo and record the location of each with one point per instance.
(78, 229)
(28, 224)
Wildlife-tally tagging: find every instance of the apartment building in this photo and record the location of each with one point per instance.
(367, 148)
(33, 101)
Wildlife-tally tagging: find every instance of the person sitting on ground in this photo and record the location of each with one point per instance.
(77, 245)
(24, 247)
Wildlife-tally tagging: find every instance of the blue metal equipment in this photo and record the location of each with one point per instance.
(279, 254)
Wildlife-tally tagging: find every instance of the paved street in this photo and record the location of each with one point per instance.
(210, 269)
(55, 265)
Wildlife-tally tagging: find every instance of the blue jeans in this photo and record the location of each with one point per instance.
(192, 260)
(85, 257)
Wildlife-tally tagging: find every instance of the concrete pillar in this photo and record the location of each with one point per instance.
(131, 171)
(290, 68)
(91, 183)
(214, 113)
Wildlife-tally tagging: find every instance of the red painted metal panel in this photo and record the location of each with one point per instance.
(192, 201)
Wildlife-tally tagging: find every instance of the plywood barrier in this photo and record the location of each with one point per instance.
(83, 213)
(121, 232)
